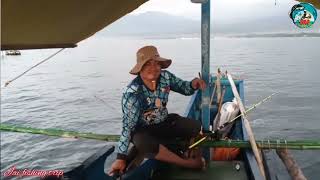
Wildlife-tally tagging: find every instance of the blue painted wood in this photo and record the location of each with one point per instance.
(144, 171)
(249, 156)
(205, 62)
(191, 106)
(205, 69)
(92, 168)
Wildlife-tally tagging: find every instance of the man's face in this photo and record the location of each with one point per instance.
(150, 70)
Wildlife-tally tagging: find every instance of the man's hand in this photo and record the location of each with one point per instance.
(198, 84)
(118, 165)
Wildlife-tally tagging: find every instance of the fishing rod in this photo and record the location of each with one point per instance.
(213, 133)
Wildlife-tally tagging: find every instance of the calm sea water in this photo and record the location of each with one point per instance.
(80, 89)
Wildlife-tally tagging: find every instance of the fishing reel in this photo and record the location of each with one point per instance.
(212, 135)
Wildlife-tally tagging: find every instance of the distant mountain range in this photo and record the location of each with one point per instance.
(253, 35)
(151, 23)
(157, 24)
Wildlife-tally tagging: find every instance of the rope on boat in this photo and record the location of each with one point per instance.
(10, 81)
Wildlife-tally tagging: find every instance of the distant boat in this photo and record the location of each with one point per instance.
(13, 53)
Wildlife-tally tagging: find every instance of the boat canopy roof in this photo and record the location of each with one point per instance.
(36, 24)
(315, 3)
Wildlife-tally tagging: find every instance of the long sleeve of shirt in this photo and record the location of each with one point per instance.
(180, 86)
(131, 114)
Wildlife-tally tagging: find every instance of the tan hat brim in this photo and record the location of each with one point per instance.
(164, 63)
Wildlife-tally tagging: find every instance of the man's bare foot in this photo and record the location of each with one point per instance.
(196, 163)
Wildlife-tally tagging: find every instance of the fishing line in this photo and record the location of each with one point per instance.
(10, 81)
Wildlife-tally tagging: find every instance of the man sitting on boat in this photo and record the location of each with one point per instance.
(146, 121)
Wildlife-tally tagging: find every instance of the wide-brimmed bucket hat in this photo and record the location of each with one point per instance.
(147, 53)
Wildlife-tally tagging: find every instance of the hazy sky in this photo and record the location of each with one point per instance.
(230, 10)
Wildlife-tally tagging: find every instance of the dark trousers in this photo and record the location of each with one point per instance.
(147, 139)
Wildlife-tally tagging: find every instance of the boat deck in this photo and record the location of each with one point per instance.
(217, 170)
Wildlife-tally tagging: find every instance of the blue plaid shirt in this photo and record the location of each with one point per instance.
(142, 107)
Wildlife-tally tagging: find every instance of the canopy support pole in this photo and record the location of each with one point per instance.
(205, 69)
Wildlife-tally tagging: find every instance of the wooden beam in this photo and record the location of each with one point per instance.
(292, 166)
(247, 126)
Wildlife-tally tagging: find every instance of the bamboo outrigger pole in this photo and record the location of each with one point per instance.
(247, 126)
(58, 133)
(265, 144)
